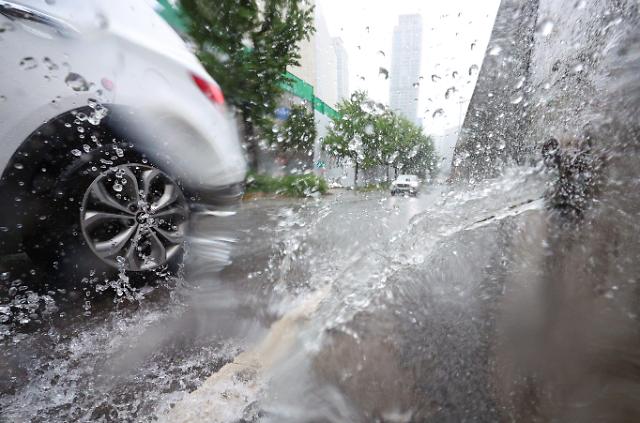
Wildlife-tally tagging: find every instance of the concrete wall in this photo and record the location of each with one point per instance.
(575, 277)
(490, 133)
(547, 72)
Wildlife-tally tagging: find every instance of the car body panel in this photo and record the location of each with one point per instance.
(129, 49)
(405, 184)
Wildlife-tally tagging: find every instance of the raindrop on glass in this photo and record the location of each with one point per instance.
(76, 82)
(545, 27)
(28, 63)
(517, 99)
(368, 129)
(496, 50)
(449, 92)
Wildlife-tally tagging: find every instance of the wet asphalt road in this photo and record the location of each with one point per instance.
(129, 360)
(405, 330)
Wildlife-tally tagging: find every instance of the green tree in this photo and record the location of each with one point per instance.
(372, 135)
(247, 46)
(413, 151)
(297, 133)
(352, 136)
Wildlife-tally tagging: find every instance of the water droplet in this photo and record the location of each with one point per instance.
(495, 50)
(517, 99)
(50, 64)
(578, 68)
(435, 77)
(76, 82)
(545, 27)
(117, 187)
(368, 129)
(19, 166)
(449, 92)
(581, 4)
(28, 63)
(520, 82)
(473, 45)
(473, 70)
(384, 72)
(76, 152)
(438, 113)
(454, 75)
(102, 21)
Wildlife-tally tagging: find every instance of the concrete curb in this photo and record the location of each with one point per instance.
(224, 396)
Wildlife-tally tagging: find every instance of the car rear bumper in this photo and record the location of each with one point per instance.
(408, 190)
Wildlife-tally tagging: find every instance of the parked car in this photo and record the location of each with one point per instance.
(112, 133)
(405, 184)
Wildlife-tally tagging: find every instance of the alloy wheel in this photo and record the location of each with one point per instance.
(134, 217)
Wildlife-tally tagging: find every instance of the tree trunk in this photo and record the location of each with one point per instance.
(250, 140)
(355, 177)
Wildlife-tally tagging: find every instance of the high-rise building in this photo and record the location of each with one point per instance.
(406, 55)
(342, 62)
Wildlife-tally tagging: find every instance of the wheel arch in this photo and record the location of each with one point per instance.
(49, 154)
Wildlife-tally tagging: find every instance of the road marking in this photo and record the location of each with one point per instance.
(225, 394)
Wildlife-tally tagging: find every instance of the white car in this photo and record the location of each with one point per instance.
(111, 132)
(405, 184)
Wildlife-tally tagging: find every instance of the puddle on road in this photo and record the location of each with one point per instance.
(401, 305)
(420, 296)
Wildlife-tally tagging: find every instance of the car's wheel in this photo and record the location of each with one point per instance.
(129, 217)
(133, 217)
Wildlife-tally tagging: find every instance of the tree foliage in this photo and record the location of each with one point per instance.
(297, 133)
(247, 45)
(370, 134)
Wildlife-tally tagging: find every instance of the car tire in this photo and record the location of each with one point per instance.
(106, 214)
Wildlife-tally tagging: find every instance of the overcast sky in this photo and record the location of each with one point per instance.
(450, 28)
